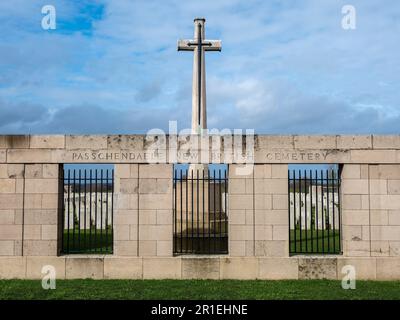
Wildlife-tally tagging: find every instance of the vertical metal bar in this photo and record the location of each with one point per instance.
(209, 212)
(305, 209)
(192, 213)
(220, 209)
(112, 210)
(333, 209)
(300, 219)
(84, 214)
(95, 212)
(106, 222)
(198, 214)
(289, 210)
(79, 210)
(294, 212)
(215, 215)
(74, 212)
(174, 210)
(181, 183)
(187, 212)
(312, 216)
(323, 211)
(339, 182)
(316, 208)
(90, 209)
(203, 202)
(226, 213)
(69, 209)
(327, 207)
(101, 211)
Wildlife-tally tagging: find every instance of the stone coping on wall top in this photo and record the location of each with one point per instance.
(148, 149)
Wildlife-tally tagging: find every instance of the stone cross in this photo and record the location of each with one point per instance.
(199, 45)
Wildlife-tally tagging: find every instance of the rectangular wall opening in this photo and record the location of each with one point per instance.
(88, 203)
(314, 209)
(200, 210)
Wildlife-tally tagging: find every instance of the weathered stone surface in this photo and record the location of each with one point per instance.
(84, 267)
(317, 268)
(123, 268)
(135, 142)
(200, 268)
(12, 267)
(14, 141)
(386, 142)
(161, 268)
(388, 268)
(86, 142)
(365, 267)
(315, 142)
(47, 142)
(278, 268)
(35, 264)
(239, 268)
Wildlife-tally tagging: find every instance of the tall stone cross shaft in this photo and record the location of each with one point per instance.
(199, 45)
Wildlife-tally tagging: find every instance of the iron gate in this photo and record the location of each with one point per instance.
(314, 211)
(88, 211)
(200, 212)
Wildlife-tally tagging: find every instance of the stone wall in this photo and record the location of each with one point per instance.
(143, 217)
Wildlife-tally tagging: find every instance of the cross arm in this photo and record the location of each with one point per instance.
(212, 45)
(184, 45)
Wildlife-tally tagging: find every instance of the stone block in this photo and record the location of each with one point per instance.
(148, 217)
(48, 201)
(164, 248)
(33, 171)
(278, 268)
(383, 233)
(365, 267)
(262, 202)
(351, 202)
(237, 248)
(50, 171)
(126, 201)
(34, 266)
(385, 171)
(122, 171)
(10, 232)
(164, 217)
(274, 248)
(12, 267)
(388, 268)
(32, 232)
(162, 268)
(239, 268)
(354, 142)
(131, 142)
(262, 171)
(3, 156)
(47, 142)
(155, 232)
(49, 232)
(393, 186)
(390, 202)
(126, 217)
(356, 248)
(237, 186)
(394, 217)
(315, 142)
(121, 232)
(386, 141)
(92, 142)
(279, 171)
(123, 268)
(41, 216)
(237, 217)
(7, 217)
(355, 217)
(14, 141)
(355, 186)
(155, 201)
(276, 186)
(29, 156)
(200, 268)
(125, 248)
(84, 268)
(317, 268)
(41, 185)
(11, 201)
(394, 248)
(6, 248)
(241, 232)
(379, 217)
(262, 232)
(380, 248)
(373, 156)
(379, 186)
(40, 248)
(7, 186)
(15, 171)
(148, 247)
(149, 171)
(280, 232)
(274, 142)
(280, 201)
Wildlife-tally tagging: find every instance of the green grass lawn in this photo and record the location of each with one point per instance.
(315, 241)
(88, 241)
(198, 289)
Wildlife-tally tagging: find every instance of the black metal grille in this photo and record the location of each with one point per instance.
(88, 211)
(200, 212)
(314, 212)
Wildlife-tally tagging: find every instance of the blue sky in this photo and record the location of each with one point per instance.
(285, 66)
